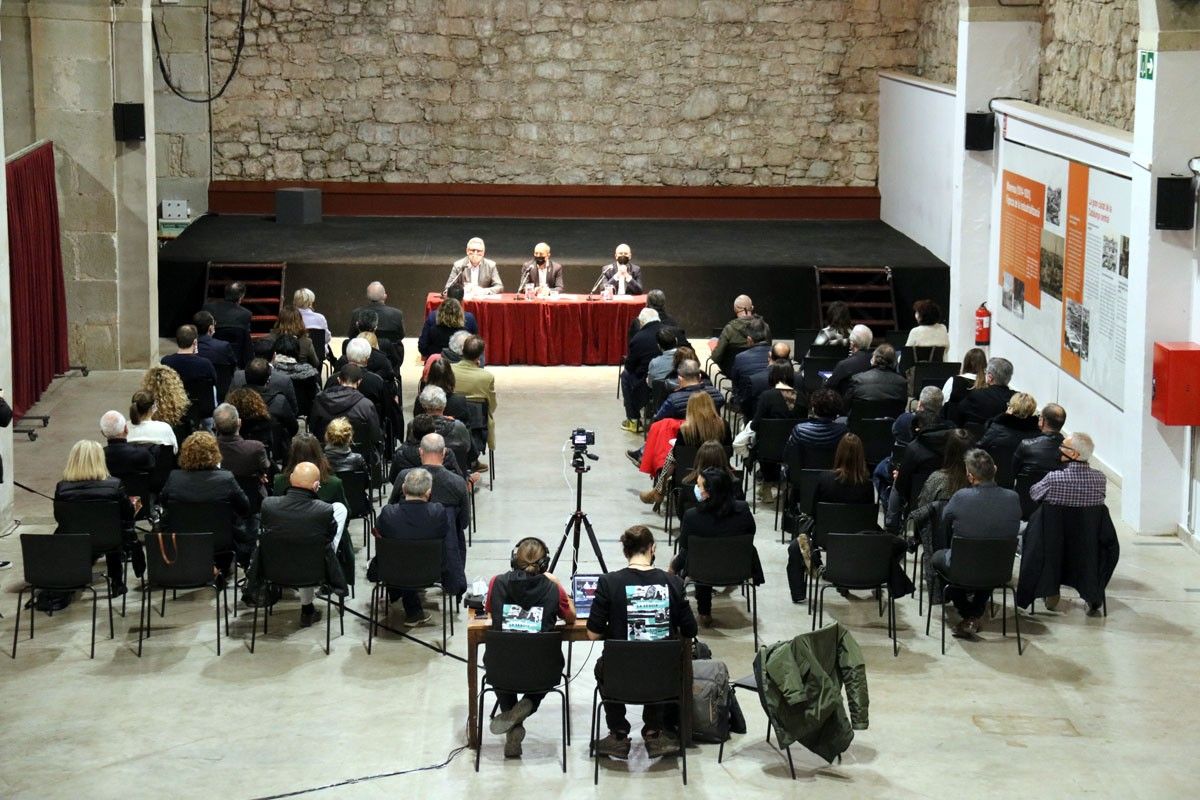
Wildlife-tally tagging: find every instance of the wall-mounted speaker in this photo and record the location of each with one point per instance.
(981, 131)
(129, 122)
(1175, 208)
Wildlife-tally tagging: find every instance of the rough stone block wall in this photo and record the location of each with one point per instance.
(674, 92)
(937, 41)
(1089, 59)
(181, 128)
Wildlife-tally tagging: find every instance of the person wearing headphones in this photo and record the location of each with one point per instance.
(528, 599)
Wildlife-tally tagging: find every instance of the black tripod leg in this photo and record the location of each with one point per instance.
(592, 538)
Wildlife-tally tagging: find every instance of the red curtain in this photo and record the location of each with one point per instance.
(39, 298)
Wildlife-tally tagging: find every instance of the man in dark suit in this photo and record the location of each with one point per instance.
(642, 349)
(276, 390)
(753, 359)
(991, 400)
(657, 299)
(448, 488)
(245, 458)
(219, 352)
(229, 313)
(415, 517)
(755, 384)
(124, 460)
(1036, 457)
(299, 514)
(858, 361)
(540, 272)
(623, 276)
(389, 327)
(881, 382)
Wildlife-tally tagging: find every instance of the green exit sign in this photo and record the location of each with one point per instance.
(1146, 65)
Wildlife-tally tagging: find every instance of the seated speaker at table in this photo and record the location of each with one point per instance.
(540, 272)
(476, 274)
(622, 274)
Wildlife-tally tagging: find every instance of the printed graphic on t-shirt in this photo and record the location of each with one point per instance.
(647, 612)
(524, 620)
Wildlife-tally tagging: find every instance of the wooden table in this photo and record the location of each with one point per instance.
(576, 632)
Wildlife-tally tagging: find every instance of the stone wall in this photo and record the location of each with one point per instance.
(182, 142)
(674, 92)
(1089, 59)
(937, 41)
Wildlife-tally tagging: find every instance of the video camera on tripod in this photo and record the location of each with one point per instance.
(581, 439)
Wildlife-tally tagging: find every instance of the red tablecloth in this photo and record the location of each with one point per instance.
(569, 330)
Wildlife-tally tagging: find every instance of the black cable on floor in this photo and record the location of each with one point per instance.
(32, 491)
(351, 781)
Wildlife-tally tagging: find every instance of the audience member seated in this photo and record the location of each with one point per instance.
(345, 400)
(476, 383)
(304, 300)
(339, 434)
(781, 401)
(938, 489)
(289, 323)
(657, 299)
(198, 374)
(449, 319)
(675, 406)
(389, 323)
(381, 359)
(820, 432)
(125, 461)
(229, 312)
(683, 352)
(144, 428)
(220, 353)
(307, 449)
(930, 399)
(858, 361)
(453, 431)
(929, 332)
(616, 593)
(416, 517)
(408, 454)
(381, 392)
(734, 336)
(1076, 484)
(1005, 433)
(980, 405)
(255, 420)
(643, 348)
(86, 480)
(285, 360)
(455, 292)
(441, 374)
(847, 482)
(246, 458)
(701, 424)
(838, 324)
(983, 510)
(171, 402)
(879, 383)
(449, 488)
(922, 458)
(972, 375)
(276, 391)
(201, 478)
(717, 513)
(663, 364)
(1040, 454)
(754, 358)
(511, 596)
(755, 384)
(299, 514)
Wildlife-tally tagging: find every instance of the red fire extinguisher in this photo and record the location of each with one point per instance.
(983, 325)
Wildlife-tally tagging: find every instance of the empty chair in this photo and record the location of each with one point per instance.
(523, 663)
(874, 409)
(858, 561)
(933, 374)
(57, 563)
(411, 564)
(178, 561)
(979, 565)
(876, 435)
(725, 561)
(770, 441)
(750, 682)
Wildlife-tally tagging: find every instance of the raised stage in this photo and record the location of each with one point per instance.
(701, 264)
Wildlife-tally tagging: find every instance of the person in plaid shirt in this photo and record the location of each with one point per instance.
(1076, 484)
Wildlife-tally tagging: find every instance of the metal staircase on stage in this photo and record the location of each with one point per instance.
(868, 291)
(264, 289)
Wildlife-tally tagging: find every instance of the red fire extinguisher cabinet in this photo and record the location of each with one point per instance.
(1175, 389)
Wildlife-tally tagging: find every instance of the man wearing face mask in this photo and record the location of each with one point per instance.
(540, 272)
(622, 274)
(1076, 484)
(476, 274)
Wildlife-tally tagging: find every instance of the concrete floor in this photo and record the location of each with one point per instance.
(1095, 707)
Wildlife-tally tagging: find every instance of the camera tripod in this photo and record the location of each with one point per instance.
(579, 519)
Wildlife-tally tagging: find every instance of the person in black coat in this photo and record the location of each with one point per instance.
(921, 458)
(200, 479)
(441, 373)
(1006, 432)
(344, 400)
(415, 517)
(339, 434)
(980, 405)
(1038, 455)
(387, 323)
(782, 400)
(881, 382)
(643, 348)
(718, 513)
(125, 461)
(858, 361)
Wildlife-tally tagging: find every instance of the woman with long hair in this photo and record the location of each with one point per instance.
(849, 481)
(938, 488)
(85, 479)
(143, 427)
(306, 447)
(200, 479)
(700, 424)
(718, 513)
(838, 323)
(255, 416)
(441, 373)
(450, 320)
(170, 398)
(971, 375)
(289, 323)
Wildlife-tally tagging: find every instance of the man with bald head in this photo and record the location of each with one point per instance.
(476, 274)
(390, 326)
(622, 274)
(735, 336)
(540, 272)
(299, 514)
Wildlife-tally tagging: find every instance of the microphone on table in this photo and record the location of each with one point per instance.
(603, 277)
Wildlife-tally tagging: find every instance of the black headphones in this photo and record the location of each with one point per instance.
(542, 563)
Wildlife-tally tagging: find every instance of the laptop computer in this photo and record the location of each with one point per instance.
(583, 589)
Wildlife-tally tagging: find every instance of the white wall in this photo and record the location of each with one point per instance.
(916, 132)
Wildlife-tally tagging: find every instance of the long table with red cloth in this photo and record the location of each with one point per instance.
(569, 329)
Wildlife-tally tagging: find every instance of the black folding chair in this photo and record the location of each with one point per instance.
(641, 674)
(725, 561)
(926, 355)
(933, 374)
(769, 445)
(523, 663)
(979, 565)
(408, 564)
(213, 518)
(858, 561)
(294, 562)
(802, 340)
(306, 392)
(357, 485)
(838, 518)
(876, 435)
(58, 563)
(750, 683)
(479, 432)
(179, 561)
(685, 459)
(874, 409)
(834, 351)
(801, 489)
(101, 521)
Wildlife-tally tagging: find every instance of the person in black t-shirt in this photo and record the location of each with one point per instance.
(639, 602)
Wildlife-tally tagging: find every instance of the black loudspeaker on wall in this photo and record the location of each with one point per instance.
(981, 131)
(129, 122)
(1175, 206)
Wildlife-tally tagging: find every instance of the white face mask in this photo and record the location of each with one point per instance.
(696, 490)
